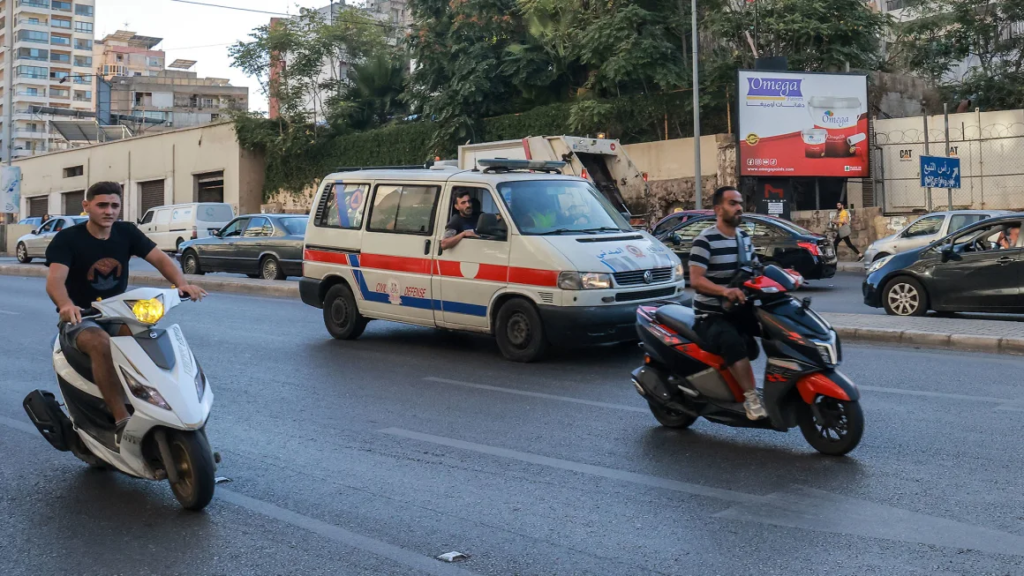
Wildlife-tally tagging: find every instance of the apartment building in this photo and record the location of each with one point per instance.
(170, 99)
(125, 53)
(49, 65)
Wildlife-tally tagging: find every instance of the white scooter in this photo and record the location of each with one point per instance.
(168, 394)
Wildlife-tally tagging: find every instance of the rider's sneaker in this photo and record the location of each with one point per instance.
(753, 406)
(860, 258)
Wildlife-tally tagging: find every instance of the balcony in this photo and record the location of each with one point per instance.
(30, 135)
(34, 3)
(24, 97)
(18, 153)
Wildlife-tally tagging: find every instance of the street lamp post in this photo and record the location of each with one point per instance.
(696, 111)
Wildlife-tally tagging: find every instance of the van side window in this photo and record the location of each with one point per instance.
(147, 218)
(343, 206)
(404, 209)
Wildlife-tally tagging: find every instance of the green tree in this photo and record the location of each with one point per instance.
(971, 48)
(373, 96)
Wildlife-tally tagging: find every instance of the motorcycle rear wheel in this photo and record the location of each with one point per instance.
(670, 418)
(841, 429)
(193, 460)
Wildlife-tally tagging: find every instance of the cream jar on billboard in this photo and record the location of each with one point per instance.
(838, 117)
(814, 142)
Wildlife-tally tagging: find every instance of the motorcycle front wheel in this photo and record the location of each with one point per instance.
(831, 426)
(193, 460)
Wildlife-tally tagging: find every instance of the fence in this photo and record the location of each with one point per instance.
(990, 146)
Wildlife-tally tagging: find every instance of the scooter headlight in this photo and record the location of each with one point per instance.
(200, 381)
(143, 392)
(148, 311)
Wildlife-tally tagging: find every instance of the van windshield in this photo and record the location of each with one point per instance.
(214, 213)
(549, 207)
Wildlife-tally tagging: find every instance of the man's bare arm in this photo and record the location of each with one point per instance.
(170, 271)
(700, 283)
(58, 292)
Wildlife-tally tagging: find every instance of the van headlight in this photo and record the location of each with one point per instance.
(572, 280)
(877, 264)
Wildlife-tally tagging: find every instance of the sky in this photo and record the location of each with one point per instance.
(199, 33)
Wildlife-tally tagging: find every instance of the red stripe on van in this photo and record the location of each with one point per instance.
(447, 268)
(533, 277)
(395, 263)
(324, 256)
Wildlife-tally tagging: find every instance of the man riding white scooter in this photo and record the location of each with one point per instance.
(89, 262)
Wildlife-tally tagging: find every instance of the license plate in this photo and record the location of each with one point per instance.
(829, 252)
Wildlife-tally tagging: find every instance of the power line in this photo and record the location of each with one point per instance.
(197, 47)
(208, 5)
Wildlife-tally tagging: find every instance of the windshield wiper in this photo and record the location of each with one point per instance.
(558, 231)
(602, 229)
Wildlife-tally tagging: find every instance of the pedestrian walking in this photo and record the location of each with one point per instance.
(843, 230)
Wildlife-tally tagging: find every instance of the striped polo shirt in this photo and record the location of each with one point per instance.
(718, 254)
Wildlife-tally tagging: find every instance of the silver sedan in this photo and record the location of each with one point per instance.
(34, 244)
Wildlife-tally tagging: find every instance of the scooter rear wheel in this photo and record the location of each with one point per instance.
(839, 429)
(670, 418)
(193, 461)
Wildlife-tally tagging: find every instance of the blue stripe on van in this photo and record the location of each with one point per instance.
(420, 303)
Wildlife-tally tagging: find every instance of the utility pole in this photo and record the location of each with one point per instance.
(696, 111)
(8, 132)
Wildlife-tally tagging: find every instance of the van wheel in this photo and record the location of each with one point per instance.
(190, 263)
(270, 269)
(177, 244)
(520, 332)
(22, 251)
(341, 316)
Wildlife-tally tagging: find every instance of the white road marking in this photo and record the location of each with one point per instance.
(539, 395)
(10, 313)
(797, 507)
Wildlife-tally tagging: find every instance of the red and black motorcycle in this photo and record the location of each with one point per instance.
(682, 381)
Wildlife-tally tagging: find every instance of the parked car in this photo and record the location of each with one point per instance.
(265, 246)
(924, 231)
(673, 220)
(776, 241)
(169, 226)
(966, 271)
(32, 221)
(33, 244)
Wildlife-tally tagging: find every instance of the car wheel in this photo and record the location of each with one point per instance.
(904, 296)
(22, 251)
(270, 269)
(341, 315)
(520, 332)
(190, 263)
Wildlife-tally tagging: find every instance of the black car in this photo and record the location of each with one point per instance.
(776, 241)
(265, 246)
(975, 269)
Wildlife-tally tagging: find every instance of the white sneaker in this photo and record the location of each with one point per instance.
(755, 410)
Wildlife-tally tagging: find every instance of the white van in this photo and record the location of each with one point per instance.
(554, 261)
(169, 226)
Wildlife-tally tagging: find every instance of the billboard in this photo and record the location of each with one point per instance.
(796, 124)
(10, 189)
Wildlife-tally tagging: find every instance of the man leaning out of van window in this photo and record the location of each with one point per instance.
(463, 222)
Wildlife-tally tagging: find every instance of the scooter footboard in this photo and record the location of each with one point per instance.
(833, 384)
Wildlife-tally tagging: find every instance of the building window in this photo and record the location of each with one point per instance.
(155, 62)
(58, 75)
(33, 21)
(83, 10)
(85, 27)
(32, 91)
(33, 54)
(63, 58)
(82, 44)
(33, 36)
(61, 5)
(60, 40)
(35, 3)
(32, 72)
(59, 93)
(74, 171)
(83, 61)
(79, 79)
(891, 5)
(60, 23)
(83, 96)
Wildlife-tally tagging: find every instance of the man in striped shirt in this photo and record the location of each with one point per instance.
(714, 260)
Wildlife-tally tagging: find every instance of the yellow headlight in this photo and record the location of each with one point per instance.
(148, 311)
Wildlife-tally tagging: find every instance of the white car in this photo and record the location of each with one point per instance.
(169, 226)
(924, 231)
(34, 244)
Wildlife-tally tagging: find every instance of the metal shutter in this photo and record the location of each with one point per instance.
(38, 206)
(73, 202)
(151, 195)
(210, 187)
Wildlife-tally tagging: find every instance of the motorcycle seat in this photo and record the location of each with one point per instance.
(681, 319)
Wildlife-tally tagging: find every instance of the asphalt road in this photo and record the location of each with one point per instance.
(375, 456)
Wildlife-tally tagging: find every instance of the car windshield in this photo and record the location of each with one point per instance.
(551, 207)
(79, 219)
(295, 226)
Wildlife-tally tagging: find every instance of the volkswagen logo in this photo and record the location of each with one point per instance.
(648, 277)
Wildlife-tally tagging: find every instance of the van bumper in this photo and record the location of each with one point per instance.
(574, 326)
(309, 291)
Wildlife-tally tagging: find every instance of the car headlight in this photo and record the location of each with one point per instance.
(571, 280)
(148, 311)
(877, 264)
(677, 272)
(143, 392)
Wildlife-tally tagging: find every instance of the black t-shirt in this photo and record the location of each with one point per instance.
(460, 223)
(97, 268)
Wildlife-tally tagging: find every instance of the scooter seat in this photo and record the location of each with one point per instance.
(681, 319)
(78, 361)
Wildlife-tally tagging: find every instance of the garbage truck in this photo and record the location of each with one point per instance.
(602, 161)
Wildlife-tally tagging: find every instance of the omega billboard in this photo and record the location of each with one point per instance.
(799, 124)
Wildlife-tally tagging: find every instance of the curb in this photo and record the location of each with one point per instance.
(269, 288)
(850, 267)
(937, 340)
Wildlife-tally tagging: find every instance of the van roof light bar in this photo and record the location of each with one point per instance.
(402, 167)
(507, 165)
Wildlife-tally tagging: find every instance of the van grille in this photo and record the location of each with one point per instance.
(644, 294)
(636, 277)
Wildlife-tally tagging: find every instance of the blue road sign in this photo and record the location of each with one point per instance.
(940, 172)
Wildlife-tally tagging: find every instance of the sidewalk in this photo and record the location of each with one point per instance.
(961, 334)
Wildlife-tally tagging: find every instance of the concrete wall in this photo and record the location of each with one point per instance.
(669, 166)
(174, 157)
(11, 233)
(867, 225)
